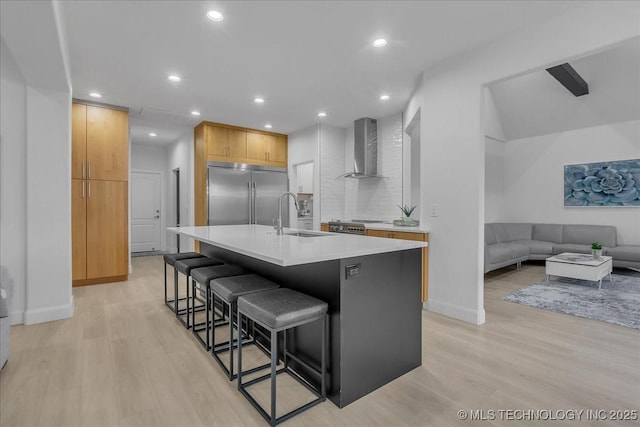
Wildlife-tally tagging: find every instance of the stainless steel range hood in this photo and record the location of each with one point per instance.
(365, 147)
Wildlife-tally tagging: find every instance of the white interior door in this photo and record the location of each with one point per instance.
(145, 211)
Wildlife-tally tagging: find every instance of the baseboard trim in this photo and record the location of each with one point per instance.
(100, 280)
(48, 314)
(476, 317)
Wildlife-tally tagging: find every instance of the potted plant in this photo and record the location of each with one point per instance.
(596, 250)
(406, 218)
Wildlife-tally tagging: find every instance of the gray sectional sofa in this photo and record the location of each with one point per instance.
(511, 243)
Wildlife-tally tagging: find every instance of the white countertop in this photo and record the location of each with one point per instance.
(261, 242)
(388, 226)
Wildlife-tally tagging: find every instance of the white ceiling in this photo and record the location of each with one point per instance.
(537, 104)
(302, 57)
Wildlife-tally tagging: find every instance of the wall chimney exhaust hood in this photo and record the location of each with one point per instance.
(365, 147)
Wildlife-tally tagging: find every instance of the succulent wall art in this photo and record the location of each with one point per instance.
(615, 183)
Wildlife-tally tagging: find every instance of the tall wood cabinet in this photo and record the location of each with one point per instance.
(100, 194)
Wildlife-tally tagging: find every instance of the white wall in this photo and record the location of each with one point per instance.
(36, 162)
(48, 264)
(534, 176)
(13, 176)
(452, 132)
(377, 198)
(303, 147)
(494, 180)
(332, 190)
(148, 158)
(180, 155)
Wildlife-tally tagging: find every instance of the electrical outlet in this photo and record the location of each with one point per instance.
(434, 210)
(351, 270)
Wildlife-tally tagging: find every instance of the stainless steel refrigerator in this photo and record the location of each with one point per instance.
(242, 194)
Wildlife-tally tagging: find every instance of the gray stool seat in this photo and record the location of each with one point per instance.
(185, 266)
(279, 311)
(230, 288)
(281, 308)
(227, 290)
(172, 258)
(202, 277)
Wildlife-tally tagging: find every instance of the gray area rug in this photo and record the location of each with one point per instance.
(617, 302)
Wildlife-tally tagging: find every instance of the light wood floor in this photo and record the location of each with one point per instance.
(124, 360)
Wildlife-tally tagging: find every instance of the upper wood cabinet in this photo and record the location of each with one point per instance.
(78, 141)
(100, 143)
(226, 145)
(267, 149)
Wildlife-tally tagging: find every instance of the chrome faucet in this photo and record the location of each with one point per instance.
(278, 224)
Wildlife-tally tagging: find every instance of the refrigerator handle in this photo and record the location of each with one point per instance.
(255, 211)
(249, 204)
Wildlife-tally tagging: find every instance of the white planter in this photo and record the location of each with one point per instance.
(597, 253)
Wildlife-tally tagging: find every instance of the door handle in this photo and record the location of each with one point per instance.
(255, 209)
(250, 201)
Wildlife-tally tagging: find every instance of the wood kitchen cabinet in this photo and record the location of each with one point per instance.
(267, 149)
(225, 144)
(100, 143)
(405, 235)
(324, 226)
(99, 188)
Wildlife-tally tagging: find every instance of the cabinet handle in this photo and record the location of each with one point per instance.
(83, 188)
(228, 151)
(89, 183)
(268, 156)
(89, 168)
(265, 155)
(83, 171)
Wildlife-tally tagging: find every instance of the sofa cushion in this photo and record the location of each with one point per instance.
(559, 248)
(489, 237)
(587, 234)
(547, 233)
(536, 246)
(624, 252)
(506, 251)
(508, 232)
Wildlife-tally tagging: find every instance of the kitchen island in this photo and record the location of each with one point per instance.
(372, 286)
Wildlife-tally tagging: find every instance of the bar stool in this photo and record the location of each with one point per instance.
(280, 310)
(203, 276)
(171, 260)
(227, 290)
(185, 266)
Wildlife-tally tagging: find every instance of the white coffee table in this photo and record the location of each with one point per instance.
(579, 266)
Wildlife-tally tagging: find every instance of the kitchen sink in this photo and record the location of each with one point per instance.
(303, 234)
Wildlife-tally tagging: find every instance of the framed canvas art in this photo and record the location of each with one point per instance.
(603, 184)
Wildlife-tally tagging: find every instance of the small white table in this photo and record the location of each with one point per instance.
(579, 266)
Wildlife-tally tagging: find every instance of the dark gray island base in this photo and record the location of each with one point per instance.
(375, 316)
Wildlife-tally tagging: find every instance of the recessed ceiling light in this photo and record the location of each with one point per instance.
(322, 114)
(214, 15)
(384, 97)
(195, 113)
(174, 78)
(95, 94)
(152, 134)
(259, 100)
(268, 126)
(379, 43)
